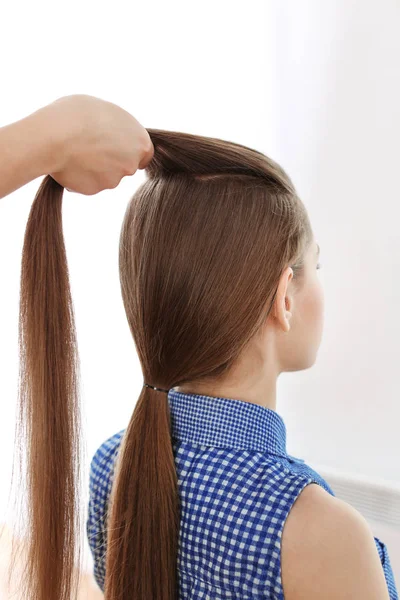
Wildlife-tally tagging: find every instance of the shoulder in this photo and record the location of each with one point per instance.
(102, 462)
(328, 550)
(100, 481)
(107, 449)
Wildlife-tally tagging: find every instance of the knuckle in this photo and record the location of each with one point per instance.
(113, 184)
(130, 169)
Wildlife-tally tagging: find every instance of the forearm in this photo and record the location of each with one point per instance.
(29, 148)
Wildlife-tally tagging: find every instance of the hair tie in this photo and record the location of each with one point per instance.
(155, 388)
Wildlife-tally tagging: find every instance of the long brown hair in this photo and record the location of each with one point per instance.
(203, 244)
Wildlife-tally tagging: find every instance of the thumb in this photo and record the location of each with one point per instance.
(147, 157)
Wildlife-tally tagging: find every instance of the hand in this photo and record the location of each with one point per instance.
(101, 143)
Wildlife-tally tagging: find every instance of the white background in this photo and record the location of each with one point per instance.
(316, 85)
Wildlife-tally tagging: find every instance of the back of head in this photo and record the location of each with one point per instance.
(203, 244)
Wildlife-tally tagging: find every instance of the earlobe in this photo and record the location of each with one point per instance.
(288, 317)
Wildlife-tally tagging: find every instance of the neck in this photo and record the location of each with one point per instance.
(255, 386)
(252, 379)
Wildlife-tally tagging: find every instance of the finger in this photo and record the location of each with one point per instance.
(113, 183)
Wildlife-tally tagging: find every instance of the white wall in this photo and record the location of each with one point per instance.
(316, 86)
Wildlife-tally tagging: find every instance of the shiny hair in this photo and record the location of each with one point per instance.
(203, 244)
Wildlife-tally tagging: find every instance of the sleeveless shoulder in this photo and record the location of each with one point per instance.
(100, 483)
(328, 550)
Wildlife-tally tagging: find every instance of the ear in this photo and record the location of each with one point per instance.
(283, 302)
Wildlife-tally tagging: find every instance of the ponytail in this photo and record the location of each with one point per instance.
(143, 516)
(48, 423)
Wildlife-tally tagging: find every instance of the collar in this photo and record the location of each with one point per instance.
(226, 422)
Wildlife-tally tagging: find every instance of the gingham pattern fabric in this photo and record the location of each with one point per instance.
(236, 484)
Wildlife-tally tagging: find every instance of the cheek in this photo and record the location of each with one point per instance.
(312, 307)
(316, 303)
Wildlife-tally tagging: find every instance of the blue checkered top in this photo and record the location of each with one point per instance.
(236, 484)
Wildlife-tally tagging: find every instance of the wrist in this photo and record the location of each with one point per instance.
(29, 148)
(51, 139)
